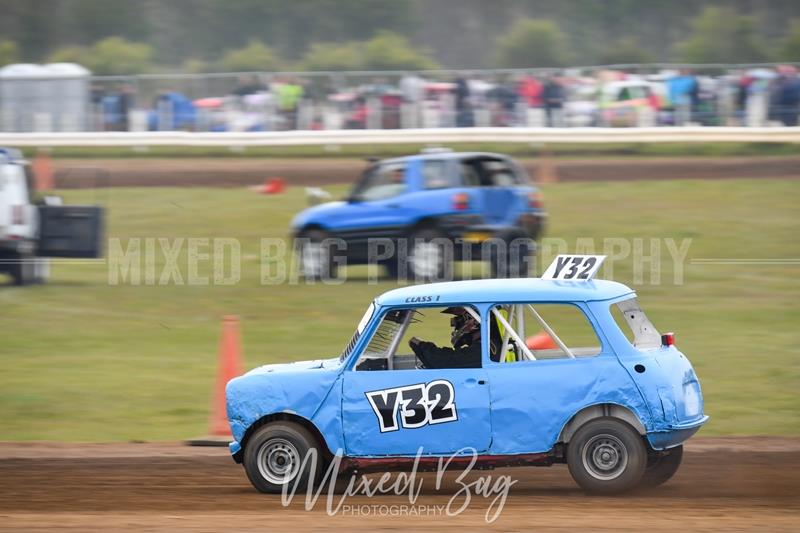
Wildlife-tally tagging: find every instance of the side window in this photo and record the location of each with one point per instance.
(533, 331)
(424, 337)
(435, 175)
(638, 329)
(381, 182)
(499, 174)
(469, 175)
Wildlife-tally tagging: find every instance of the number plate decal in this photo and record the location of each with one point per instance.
(574, 267)
(417, 405)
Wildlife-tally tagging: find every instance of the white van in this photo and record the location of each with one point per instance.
(32, 229)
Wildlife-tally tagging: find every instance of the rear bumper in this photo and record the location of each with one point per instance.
(675, 435)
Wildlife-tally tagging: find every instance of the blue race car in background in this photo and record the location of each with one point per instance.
(434, 208)
(613, 399)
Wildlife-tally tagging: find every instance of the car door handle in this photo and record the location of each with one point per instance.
(481, 382)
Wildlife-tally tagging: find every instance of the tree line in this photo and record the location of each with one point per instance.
(139, 36)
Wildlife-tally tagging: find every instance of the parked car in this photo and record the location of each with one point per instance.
(427, 205)
(614, 400)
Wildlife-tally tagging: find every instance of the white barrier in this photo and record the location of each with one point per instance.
(433, 136)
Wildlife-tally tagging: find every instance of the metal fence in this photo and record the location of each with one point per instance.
(610, 96)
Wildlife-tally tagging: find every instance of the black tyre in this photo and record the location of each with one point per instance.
(662, 466)
(23, 270)
(511, 259)
(606, 456)
(428, 257)
(274, 455)
(315, 256)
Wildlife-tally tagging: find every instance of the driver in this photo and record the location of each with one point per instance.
(465, 338)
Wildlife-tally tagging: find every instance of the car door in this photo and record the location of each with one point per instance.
(396, 409)
(376, 206)
(499, 190)
(397, 412)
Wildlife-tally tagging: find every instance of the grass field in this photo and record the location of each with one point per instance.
(82, 360)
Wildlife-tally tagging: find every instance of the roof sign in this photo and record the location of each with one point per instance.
(574, 267)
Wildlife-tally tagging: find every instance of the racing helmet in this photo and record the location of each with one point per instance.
(464, 326)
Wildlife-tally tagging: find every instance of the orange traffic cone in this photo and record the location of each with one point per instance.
(541, 341)
(42, 168)
(230, 366)
(273, 186)
(547, 168)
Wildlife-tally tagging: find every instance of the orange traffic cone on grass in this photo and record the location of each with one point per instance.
(230, 366)
(541, 341)
(42, 166)
(273, 186)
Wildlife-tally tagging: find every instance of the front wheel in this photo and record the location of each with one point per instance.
(661, 467)
(606, 456)
(275, 456)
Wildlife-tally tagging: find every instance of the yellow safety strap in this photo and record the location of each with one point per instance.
(511, 356)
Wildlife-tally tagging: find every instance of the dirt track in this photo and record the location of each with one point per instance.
(232, 172)
(724, 484)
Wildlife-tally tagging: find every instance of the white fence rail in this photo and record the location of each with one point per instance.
(434, 136)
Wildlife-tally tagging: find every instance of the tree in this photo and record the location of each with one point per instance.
(625, 51)
(390, 51)
(533, 43)
(69, 54)
(720, 35)
(110, 56)
(115, 55)
(332, 56)
(9, 52)
(256, 56)
(789, 49)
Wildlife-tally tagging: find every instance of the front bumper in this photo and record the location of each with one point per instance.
(236, 451)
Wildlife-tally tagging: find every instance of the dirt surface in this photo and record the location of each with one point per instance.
(232, 172)
(724, 484)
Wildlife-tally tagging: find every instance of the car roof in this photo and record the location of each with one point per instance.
(445, 154)
(504, 291)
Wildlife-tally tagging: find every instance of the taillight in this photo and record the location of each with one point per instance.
(535, 200)
(17, 214)
(461, 201)
(668, 339)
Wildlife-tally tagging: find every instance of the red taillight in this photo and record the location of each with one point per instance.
(535, 200)
(17, 214)
(461, 201)
(668, 339)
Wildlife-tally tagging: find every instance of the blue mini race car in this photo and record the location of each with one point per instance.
(420, 203)
(452, 370)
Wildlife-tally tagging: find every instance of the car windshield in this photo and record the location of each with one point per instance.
(359, 330)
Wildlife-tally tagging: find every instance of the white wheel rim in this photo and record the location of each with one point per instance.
(426, 259)
(278, 461)
(313, 256)
(605, 457)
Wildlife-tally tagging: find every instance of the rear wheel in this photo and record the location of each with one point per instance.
(606, 456)
(661, 467)
(274, 455)
(512, 259)
(428, 256)
(23, 269)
